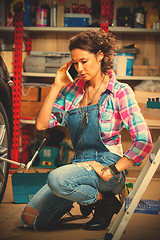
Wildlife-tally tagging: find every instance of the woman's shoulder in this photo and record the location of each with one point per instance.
(118, 87)
(73, 90)
(123, 87)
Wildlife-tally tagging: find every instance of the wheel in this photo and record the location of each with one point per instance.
(5, 149)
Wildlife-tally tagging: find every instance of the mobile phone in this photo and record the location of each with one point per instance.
(71, 72)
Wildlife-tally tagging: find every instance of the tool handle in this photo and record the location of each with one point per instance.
(13, 162)
(29, 164)
(42, 145)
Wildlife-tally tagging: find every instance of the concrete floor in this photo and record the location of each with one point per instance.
(140, 227)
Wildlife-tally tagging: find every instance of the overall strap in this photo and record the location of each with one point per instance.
(103, 97)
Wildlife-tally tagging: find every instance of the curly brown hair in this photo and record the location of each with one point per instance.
(94, 41)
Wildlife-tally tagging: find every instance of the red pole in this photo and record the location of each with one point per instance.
(16, 92)
(107, 12)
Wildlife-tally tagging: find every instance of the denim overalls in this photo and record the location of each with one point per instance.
(73, 182)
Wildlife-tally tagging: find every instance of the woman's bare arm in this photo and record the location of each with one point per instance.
(61, 81)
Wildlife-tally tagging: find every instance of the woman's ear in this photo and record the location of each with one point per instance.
(100, 56)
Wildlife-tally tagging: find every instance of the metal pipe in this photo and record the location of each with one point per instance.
(13, 162)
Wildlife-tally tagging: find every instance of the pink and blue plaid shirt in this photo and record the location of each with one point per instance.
(120, 109)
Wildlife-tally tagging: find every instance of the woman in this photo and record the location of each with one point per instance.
(95, 108)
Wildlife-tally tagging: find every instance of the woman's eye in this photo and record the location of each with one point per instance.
(84, 62)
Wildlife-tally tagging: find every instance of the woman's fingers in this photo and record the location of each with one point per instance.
(65, 66)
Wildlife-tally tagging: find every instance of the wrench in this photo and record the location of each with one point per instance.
(29, 164)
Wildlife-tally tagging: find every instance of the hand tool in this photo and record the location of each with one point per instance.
(29, 164)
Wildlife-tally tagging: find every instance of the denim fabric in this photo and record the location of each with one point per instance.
(74, 182)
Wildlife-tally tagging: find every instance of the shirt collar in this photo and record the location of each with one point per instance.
(111, 84)
(80, 83)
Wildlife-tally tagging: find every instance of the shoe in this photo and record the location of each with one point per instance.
(104, 211)
(86, 210)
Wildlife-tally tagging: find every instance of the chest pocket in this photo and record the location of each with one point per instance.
(106, 119)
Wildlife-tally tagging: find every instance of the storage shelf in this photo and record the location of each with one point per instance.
(80, 29)
(6, 29)
(153, 124)
(57, 29)
(30, 74)
(128, 78)
(138, 78)
(133, 30)
(28, 121)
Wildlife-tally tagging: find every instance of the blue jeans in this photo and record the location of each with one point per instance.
(72, 183)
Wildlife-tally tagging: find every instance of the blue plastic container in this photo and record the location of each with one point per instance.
(25, 185)
(123, 64)
(76, 20)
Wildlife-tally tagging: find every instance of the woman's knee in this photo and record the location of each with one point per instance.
(29, 215)
(58, 182)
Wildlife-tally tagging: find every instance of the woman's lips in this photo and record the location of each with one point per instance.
(83, 75)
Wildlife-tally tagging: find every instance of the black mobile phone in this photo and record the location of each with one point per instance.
(71, 72)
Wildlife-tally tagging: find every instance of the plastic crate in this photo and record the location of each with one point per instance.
(25, 185)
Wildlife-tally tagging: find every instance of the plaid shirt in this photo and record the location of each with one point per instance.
(120, 109)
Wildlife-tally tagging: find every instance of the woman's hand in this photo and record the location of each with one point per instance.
(107, 175)
(61, 79)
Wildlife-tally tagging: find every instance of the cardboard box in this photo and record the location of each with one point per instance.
(8, 57)
(152, 116)
(146, 70)
(30, 93)
(30, 109)
(31, 100)
(44, 92)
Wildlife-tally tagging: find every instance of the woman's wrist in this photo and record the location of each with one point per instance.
(112, 168)
(56, 87)
(106, 175)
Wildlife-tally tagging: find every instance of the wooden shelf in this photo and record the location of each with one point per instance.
(80, 29)
(138, 78)
(128, 78)
(133, 30)
(28, 121)
(153, 124)
(6, 29)
(31, 74)
(56, 29)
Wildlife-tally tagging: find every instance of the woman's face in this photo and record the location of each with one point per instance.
(87, 64)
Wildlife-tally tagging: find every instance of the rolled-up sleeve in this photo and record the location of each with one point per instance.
(58, 112)
(135, 124)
